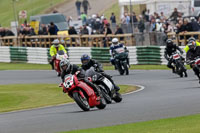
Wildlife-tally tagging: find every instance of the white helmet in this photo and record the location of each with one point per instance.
(56, 42)
(115, 41)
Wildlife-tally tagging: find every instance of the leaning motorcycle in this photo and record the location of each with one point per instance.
(83, 94)
(121, 62)
(179, 64)
(59, 56)
(107, 88)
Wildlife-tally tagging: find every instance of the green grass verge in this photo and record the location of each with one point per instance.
(27, 96)
(186, 124)
(32, 7)
(24, 66)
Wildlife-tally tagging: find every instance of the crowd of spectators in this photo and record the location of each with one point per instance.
(99, 24)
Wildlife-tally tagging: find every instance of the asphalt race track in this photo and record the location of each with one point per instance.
(165, 95)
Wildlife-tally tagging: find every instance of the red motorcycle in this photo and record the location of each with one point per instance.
(83, 94)
(59, 56)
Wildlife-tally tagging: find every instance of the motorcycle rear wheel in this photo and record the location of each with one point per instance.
(82, 102)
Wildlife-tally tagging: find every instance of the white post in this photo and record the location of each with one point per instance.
(122, 10)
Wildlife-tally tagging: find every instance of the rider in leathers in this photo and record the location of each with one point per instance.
(170, 48)
(87, 63)
(194, 51)
(68, 68)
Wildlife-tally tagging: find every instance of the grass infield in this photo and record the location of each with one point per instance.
(186, 124)
(27, 96)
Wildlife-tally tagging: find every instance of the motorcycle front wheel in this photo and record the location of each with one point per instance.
(82, 102)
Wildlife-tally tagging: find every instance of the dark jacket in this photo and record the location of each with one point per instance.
(92, 63)
(192, 54)
(73, 69)
(53, 30)
(170, 50)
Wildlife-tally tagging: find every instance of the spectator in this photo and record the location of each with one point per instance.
(128, 19)
(84, 30)
(194, 24)
(83, 18)
(9, 32)
(119, 31)
(147, 16)
(106, 30)
(97, 25)
(43, 30)
(133, 18)
(89, 29)
(162, 17)
(113, 21)
(187, 25)
(72, 31)
(78, 7)
(174, 15)
(153, 25)
(85, 5)
(141, 25)
(159, 26)
(53, 29)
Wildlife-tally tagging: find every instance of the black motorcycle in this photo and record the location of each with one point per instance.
(178, 62)
(107, 88)
(121, 62)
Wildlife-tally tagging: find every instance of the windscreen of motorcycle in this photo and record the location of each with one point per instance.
(120, 50)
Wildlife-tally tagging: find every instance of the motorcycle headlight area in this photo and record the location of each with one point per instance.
(94, 78)
(68, 82)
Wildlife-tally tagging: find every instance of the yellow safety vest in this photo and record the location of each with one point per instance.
(187, 47)
(53, 50)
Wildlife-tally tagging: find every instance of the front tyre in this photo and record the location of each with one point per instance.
(118, 97)
(82, 102)
(126, 68)
(106, 95)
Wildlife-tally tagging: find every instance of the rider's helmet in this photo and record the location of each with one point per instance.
(56, 43)
(85, 59)
(115, 41)
(191, 39)
(192, 45)
(169, 43)
(65, 65)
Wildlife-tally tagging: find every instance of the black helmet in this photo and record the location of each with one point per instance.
(65, 65)
(85, 59)
(169, 43)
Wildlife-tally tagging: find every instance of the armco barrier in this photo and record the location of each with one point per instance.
(149, 55)
(37, 55)
(75, 54)
(137, 55)
(4, 54)
(133, 55)
(101, 54)
(18, 54)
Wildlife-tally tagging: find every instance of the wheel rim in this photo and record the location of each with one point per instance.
(84, 100)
